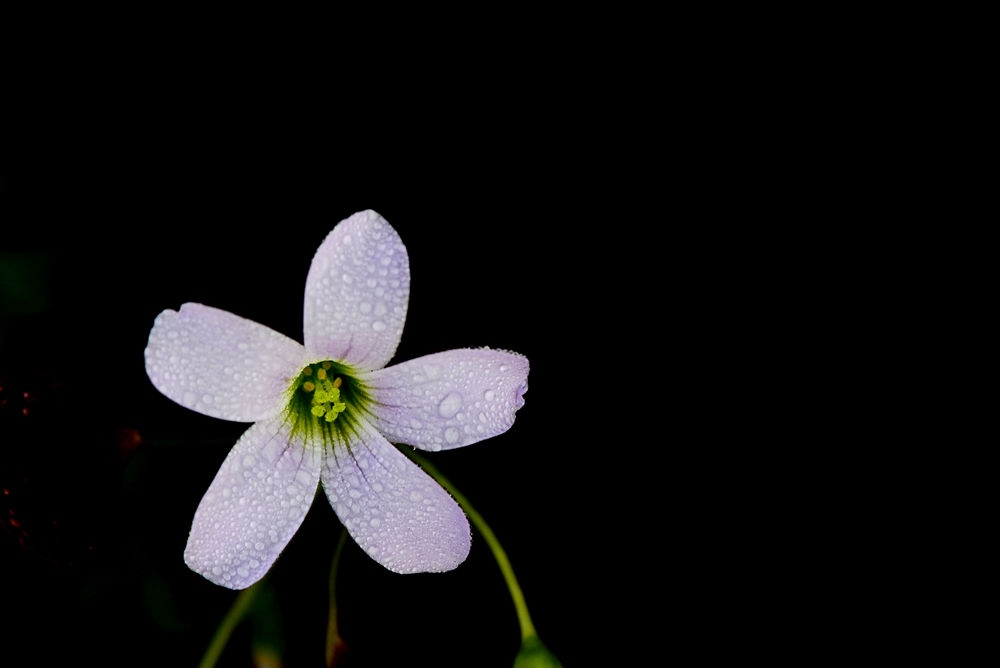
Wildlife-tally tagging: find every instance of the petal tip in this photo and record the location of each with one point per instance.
(519, 395)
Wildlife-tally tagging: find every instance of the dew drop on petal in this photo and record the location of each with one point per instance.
(451, 435)
(450, 405)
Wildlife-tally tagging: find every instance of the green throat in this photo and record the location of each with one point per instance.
(325, 402)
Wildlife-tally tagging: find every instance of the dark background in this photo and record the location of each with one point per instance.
(121, 202)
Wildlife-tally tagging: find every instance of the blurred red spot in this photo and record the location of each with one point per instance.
(127, 440)
(24, 411)
(6, 492)
(14, 523)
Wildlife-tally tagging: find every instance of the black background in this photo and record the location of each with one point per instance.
(122, 201)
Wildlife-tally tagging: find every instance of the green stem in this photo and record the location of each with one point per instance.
(523, 618)
(228, 625)
(335, 645)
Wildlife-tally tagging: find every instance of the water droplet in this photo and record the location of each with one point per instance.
(365, 307)
(450, 404)
(378, 326)
(451, 435)
(490, 395)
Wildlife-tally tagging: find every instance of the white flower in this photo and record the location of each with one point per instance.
(326, 411)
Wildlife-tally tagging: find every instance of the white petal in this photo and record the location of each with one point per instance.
(356, 293)
(254, 506)
(449, 399)
(396, 512)
(220, 364)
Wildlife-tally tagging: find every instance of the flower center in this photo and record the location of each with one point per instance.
(325, 393)
(325, 397)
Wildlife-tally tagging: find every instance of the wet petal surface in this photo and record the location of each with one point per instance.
(357, 292)
(219, 364)
(254, 506)
(449, 399)
(397, 513)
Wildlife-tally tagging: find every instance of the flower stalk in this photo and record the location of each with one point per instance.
(335, 645)
(228, 624)
(523, 616)
(533, 653)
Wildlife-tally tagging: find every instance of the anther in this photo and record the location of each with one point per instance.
(337, 381)
(308, 386)
(308, 371)
(321, 373)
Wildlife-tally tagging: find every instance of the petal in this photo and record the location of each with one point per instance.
(254, 506)
(356, 293)
(220, 364)
(449, 399)
(396, 512)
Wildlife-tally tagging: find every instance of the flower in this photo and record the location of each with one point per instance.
(325, 412)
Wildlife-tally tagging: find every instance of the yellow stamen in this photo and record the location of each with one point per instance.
(321, 373)
(327, 365)
(337, 382)
(308, 371)
(308, 386)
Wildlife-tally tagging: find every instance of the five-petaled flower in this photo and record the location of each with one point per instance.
(326, 412)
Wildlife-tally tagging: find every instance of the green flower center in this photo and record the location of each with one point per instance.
(326, 400)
